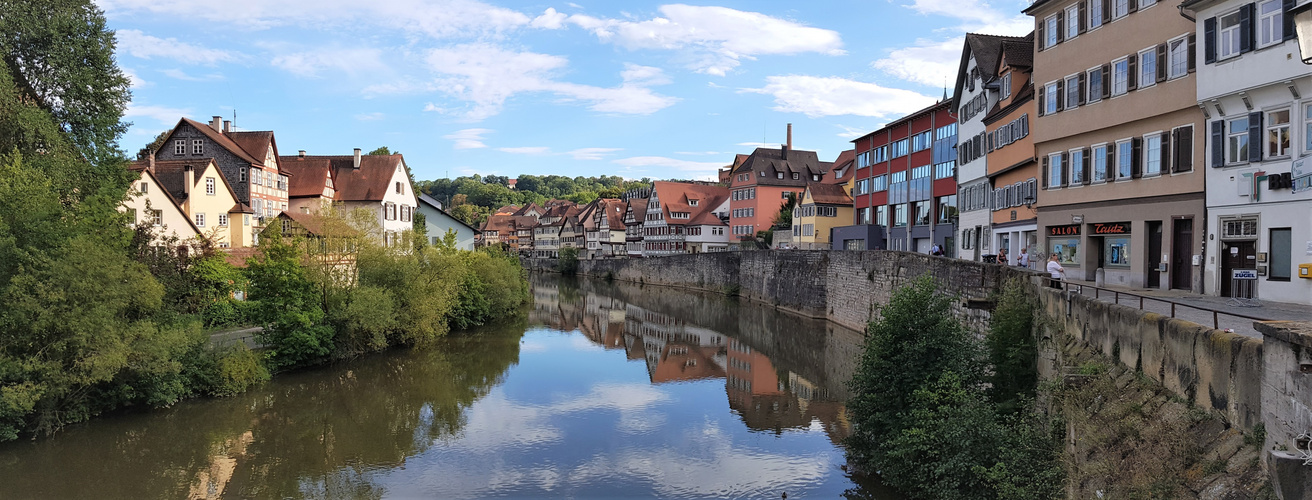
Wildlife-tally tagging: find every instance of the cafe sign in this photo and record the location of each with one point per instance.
(1070, 230)
(1111, 228)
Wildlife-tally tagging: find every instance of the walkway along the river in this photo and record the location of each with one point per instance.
(1249, 381)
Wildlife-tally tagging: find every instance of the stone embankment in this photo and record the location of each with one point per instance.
(1205, 368)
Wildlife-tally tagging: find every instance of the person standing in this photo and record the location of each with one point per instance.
(1055, 271)
(1002, 257)
(1024, 259)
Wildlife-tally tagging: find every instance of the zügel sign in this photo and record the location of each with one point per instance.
(1111, 228)
(1071, 230)
(1243, 274)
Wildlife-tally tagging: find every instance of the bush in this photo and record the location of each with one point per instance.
(1013, 349)
(222, 313)
(568, 263)
(290, 306)
(237, 370)
(365, 321)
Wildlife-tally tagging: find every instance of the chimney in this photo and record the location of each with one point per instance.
(216, 123)
(301, 154)
(357, 158)
(790, 136)
(150, 162)
(227, 126)
(188, 180)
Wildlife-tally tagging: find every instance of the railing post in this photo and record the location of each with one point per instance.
(1141, 302)
(1173, 309)
(1216, 320)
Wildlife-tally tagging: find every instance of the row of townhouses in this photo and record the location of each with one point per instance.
(209, 181)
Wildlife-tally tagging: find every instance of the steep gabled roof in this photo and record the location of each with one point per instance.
(986, 50)
(843, 164)
(171, 175)
(177, 205)
(1017, 53)
(223, 141)
(676, 196)
(370, 182)
(775, 161)
(256, 143)
(828, 194)
(307, 175)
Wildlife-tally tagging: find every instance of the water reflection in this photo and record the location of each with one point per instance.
(604, 390)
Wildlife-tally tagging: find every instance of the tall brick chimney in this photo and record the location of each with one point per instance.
(790, 136)
(216, 123)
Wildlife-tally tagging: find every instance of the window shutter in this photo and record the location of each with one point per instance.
(1106, 11)
(1061, 95)
(1043, 101)
(1161, 62)
(1209, 40)
(1042, 39)
(1045, 173)
(1184, 149)
(1084, 167)
(1218, 143)
(1193, 47)
(1065, 159)
(1255, 136)
(1083, 88)
(1106, 81)
(1288, 17)
(1133, 6)
(1165, 152)
(1246, 31)
(1084, 17)
(1024, 125)
(1136, 162)
(1132, 79)
(1061, 26)
(1111, 162)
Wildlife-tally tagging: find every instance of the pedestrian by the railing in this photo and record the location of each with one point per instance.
(1057, 273)
(1024, 259)
(1002, 257)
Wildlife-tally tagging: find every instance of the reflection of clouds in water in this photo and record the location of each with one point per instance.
(525, 347)
(582, 344)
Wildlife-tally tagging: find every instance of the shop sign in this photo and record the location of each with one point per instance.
(1070, 230)
(1302, 168)
(1111, 228)
(1279, 181)
(1243, 274)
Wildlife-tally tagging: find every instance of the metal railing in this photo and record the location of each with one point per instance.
(1116, 299)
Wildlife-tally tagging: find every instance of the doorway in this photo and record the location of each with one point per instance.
(1236, 255)
(1154, 254)
(1182, 250)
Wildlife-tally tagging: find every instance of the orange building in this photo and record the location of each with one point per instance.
(1012, 168)
(761, 183)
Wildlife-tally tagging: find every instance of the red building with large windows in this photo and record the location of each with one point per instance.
(906, 188)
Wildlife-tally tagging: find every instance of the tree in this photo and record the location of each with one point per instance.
(383, 151)
(60, 53)
(154, 145)
(290, 304)
(784, 219)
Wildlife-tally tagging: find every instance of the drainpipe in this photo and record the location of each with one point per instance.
(1186, 16)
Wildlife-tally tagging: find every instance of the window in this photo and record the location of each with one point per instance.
(1277, 133)
(1177, 57)
(1073, 92)
(197, 146)
(881, 215)
(1095, 84)
(143, 188)
(1077, 166)
(157, 217)
(762, 173)
(1055, 170)
(794, 175)
(223, 220)
(898, 149)
(1281, 248)
(1237, 140)
(1095, 16)
(947, 208)
(1120, 8)
(922, 213)
(779, 175)
(180, 147)
(1307, 127)
(1124, 159)
(200, 219)
(1228, 41)
(1152, 154)
(863, 215)
(897, 177)
(945, 170)
(1006, 85)
(1270, 23)
(241, 175)
(900, 214)
(1120, 77)
(1147, 68)
(1098, 163)
(784, 195)
(920, 172)
(878, 183)
(1050, 25)
(921, 141)
(209, 186)
(1072, 21)
(1050, 96)
(946, 131)
(1116, 252)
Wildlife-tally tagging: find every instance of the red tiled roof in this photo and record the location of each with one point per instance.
(843, 164)
(368, 183)
(308, 177)
(775, 161)
(257, 144)
(675, 197)
(828, 194)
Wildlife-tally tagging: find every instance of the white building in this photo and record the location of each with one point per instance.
(1257, 95)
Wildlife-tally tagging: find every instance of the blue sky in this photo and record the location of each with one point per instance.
(638, 89)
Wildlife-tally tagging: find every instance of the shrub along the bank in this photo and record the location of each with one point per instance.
(924, 418)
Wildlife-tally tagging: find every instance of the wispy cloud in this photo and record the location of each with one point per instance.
(143, 46)
(470, 138)
(167, 116)
(661, 164)
(370, 117)
(331, 60)
(933, 62)
(833, 96)
(591, 153)
(528, 150)
(178, 74)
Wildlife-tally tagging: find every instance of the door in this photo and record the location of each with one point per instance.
(1182, 251)
(1154, 254)
(1236, 255)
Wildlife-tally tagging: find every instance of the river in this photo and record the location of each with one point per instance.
(605, 390)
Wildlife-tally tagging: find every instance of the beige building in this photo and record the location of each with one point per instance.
(201, 191)
(149, 203)
(1119, 138)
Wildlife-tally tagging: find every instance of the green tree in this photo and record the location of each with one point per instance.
(784, 219)
(290, 305)
(1012, 347)
(383, 151)
(60, 53)
(150, 149)
(568, 263)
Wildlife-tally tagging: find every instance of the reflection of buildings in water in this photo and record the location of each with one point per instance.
(603, 320)
(674, 349)
(768, 400)
(211, 481)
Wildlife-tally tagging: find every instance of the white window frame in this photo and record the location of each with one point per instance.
(199, 218)
(1050, 98)
(1056, 169)
(1120, 86)
(1149, 56)
(1235, 141)
(1124, 161)
(209, 186)
(1120, 8)
(1098, 173)
(223, 220)
(1050, 33)
(157, 217)
(197, 146)
(1149, 158)
(1270, 24)
(1090, 96)
(1072, 26)
(1144, 4)
(1076, 170)
(180, 147)
(1180, 60)
(1095, 11)
(1270, 127)
(1006, 85)
(1307, 125)
(1072, 84)
(1227, 37)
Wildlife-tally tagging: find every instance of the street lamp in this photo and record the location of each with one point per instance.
(1303, 25)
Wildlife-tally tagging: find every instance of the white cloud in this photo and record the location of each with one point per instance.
(647, 75)
(446, 19)
(141, 45)
(313, 63)
(928, 62)
(181, 75)
(137, 81)
(470, 138)
(931, 62)
(852, 132)
(370, 117)
(648, 164)
(485, 76)
(550, 19)
(528, 150)
(162, 114)
(591, 153)
(716, 38)
(832, 96)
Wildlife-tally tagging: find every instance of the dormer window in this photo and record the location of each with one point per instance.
(817, 178)
(762, 173)
(795, 177)
(779, 175)
(692, 203)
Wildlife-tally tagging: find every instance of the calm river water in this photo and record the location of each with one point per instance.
(607, 390)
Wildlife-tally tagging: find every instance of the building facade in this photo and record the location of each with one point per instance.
(762, 182)
(1118, 135)
(437, 223)
(1012, 169)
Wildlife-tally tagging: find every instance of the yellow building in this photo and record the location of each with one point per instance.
(200, 190)
(149, 203)
(822, 207)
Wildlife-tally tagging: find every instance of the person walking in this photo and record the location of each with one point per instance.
(1024, 259)
(1002, 257)
(1056, 272)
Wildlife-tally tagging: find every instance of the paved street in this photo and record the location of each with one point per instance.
(1263, 309)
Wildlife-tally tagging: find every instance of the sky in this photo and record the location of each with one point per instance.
(462, 87)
